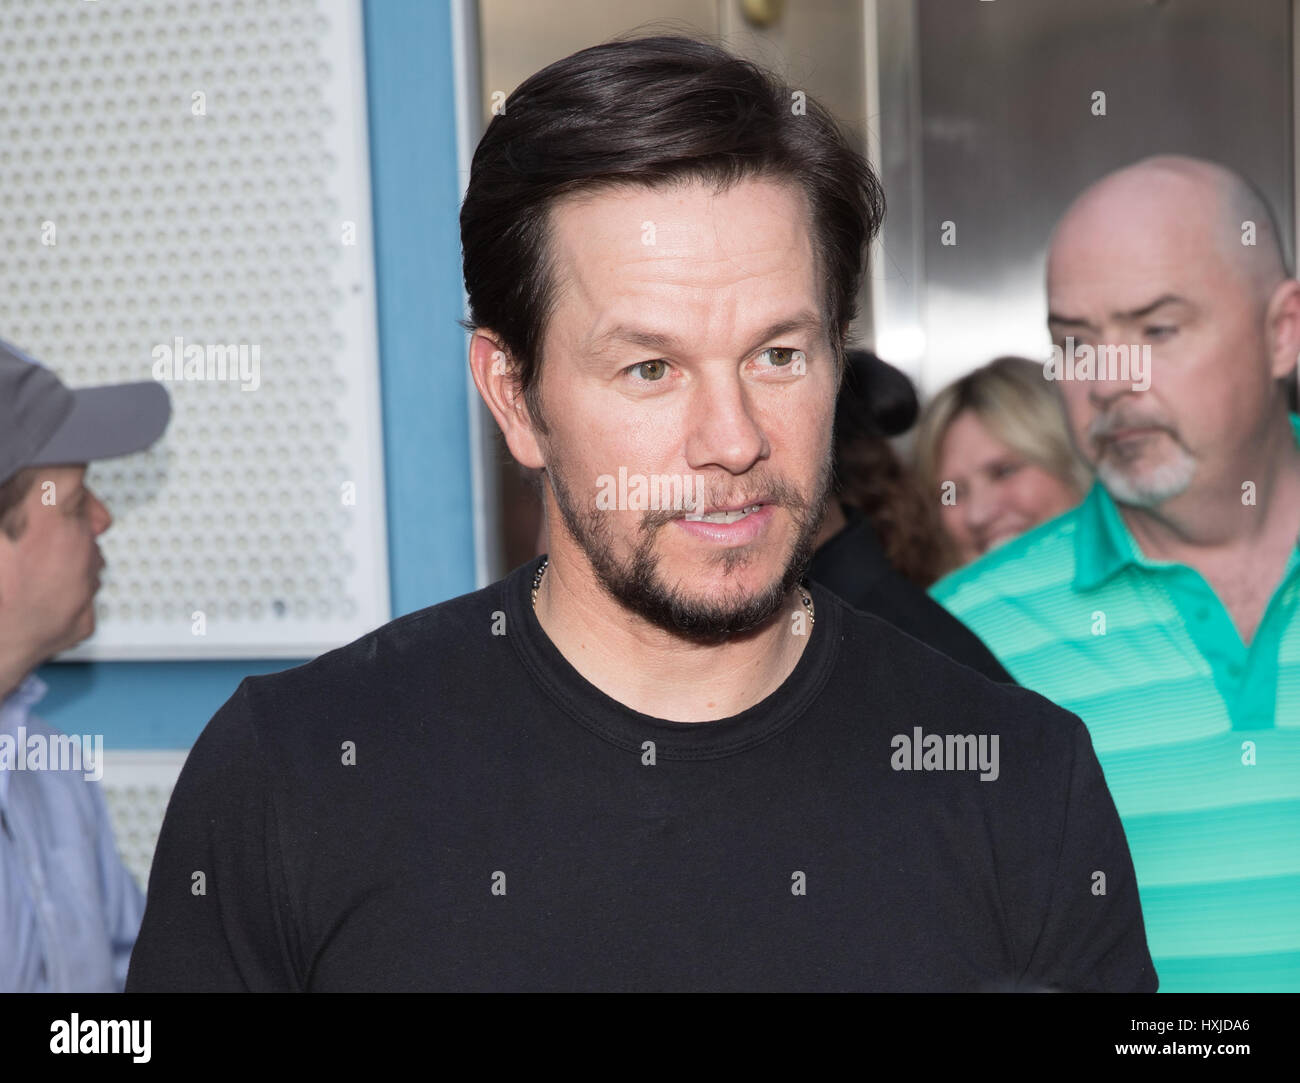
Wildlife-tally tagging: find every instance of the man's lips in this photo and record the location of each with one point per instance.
(740, 532)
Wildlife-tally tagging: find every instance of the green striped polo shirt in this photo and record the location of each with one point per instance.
(1198, 734)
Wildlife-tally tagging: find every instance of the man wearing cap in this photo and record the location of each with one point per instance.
(68, 907)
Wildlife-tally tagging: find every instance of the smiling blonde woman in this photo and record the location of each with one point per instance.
(993, 447)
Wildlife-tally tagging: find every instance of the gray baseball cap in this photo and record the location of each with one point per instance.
(45, 423)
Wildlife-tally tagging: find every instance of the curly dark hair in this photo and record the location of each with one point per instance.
(875, 400)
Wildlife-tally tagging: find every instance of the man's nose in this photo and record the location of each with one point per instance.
(100, 517)
(1107, 386)
(722, 429)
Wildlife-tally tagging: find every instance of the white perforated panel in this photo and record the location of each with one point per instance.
(198, 171)
(137, 787)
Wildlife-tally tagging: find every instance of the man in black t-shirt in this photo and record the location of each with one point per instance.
(653, 759)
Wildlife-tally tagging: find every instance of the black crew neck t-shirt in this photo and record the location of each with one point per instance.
(447, 804)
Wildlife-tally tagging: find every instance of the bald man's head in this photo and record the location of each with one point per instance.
(1179, 260)
(1225, 208)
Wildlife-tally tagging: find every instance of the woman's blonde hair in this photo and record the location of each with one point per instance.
(1013, 400)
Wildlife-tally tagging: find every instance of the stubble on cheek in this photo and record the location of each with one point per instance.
(634, 577)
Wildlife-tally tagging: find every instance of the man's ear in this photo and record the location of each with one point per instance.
(497, 380)
(1282, 327)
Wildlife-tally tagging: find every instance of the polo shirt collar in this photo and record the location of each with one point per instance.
(1102, 542)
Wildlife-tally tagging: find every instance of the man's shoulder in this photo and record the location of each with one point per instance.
(903, 675)
(433, 635)
(34, 723)
(410, 660)
(66, 782)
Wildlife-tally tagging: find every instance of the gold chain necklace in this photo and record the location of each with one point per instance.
(541, 571)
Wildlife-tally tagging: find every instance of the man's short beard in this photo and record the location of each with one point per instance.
(1152, 487)
(1128, 482)
(636, 584)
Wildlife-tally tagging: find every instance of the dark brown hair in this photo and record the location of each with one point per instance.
(874, 480)
(649, 111)
(871, 477)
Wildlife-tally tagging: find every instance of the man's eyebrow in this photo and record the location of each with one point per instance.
(655, 340)
(1135, 314)
(1146, 310)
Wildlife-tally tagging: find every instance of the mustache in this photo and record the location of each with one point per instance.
(775, 490)
(1106, 425)
(770, 489)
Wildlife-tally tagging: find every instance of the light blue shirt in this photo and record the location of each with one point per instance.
(69, 910)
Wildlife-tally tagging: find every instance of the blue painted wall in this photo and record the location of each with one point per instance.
(422, 360)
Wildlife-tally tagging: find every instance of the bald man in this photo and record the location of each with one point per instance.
(1163, 609)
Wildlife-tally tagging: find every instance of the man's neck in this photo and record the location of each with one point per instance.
(653, 671)
(1227, 515)
(14, 667)
(1238, 537)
